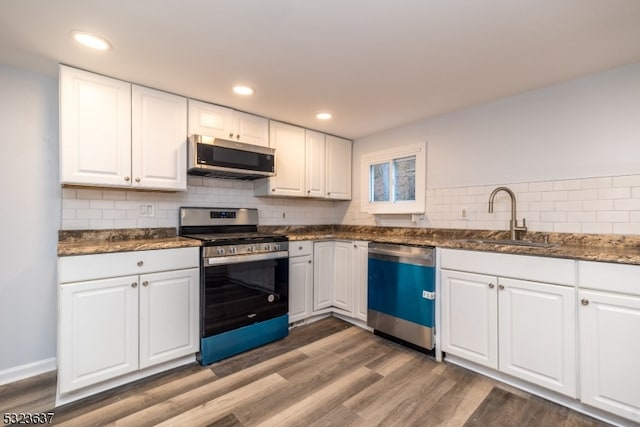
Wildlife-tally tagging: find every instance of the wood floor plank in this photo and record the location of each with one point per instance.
(210, 411)
(303, 412)
(500, 408)
(455, 407)
(195, 397)
(111, 412)
(35, 394)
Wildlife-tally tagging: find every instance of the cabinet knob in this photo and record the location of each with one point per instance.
(140, 263)
(273, 189)
(231, 135)
(134, 285)
(145, 283)
(299, 248)
(137, 179)
(309, 261)
(126, 178)
(501, 287)
(491, 286)
(238, 136)
(584, 301)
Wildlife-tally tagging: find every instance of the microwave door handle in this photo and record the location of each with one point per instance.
(238, 259)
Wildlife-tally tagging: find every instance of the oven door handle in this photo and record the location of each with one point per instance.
(237, 259)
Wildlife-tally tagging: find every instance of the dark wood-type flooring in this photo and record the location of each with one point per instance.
(328, 373)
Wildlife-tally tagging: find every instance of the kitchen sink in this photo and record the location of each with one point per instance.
(509, 242)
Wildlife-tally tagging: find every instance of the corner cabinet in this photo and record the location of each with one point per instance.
(609, 319)
(124, 312)
(340, 277)
(227, 123)
(523, 327)
(116, 134)
(338, 169)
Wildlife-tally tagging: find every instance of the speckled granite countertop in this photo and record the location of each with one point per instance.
(589, 247)
(87, 242)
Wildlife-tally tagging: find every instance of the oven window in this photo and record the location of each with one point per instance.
(237, 295)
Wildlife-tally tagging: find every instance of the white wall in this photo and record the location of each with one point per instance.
(540, 142)
(29, 218)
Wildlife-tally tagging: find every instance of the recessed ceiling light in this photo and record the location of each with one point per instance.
(91, 40)
(323, 116)
(243, 90)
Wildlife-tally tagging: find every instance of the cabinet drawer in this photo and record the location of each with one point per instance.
(98, 266)
(538, 269)
(299, 248)
(605, 276)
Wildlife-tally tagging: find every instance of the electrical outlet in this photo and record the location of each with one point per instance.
(284, 215)
(464, 213)
(147, 209)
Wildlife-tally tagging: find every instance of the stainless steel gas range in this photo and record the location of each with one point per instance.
(244, 280)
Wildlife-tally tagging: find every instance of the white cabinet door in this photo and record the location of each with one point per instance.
(95, 129)
(300, 287)
(470, 317)
(159, 139)
(98, 331)
(537, 330)
(315, 165)
(210, 120)
(343, 276)
(360, 279)
(289, 142)
(338, 158)
(609, 349)
(323, 274)
(169, 312)
(250, 129)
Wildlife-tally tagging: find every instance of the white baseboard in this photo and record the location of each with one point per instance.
(21, 372)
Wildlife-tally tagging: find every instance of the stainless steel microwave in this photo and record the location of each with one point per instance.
(221, 158)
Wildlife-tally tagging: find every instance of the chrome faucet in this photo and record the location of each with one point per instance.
(513, 224)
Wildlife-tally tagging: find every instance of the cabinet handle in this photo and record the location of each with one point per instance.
(273, 189)
(491, 286)
(134, 285)
(501, 287)
(584, 301)
(140, 263)
(137, 179)
(126, 178)
(145, 283)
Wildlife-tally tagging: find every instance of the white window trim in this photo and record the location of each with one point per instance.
(397, 207)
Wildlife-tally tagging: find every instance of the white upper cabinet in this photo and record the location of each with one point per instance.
(289, 180)
(95, 129)
(159, 139)
(315, 164)
(116, 134)
(227, 123)
(338, 170)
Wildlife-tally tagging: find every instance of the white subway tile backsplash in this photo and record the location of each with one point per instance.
(626, 181)
(612, 216)
(588, 183)
(627, 204)
(541, 186)
(591, 194)
(614, 193)
(597, 205)
(552, 196)
(570, 184)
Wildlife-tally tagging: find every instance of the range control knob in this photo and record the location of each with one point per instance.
(220, 251)
(251, 249)
(276, 247)
(267, 247)
(233, 250)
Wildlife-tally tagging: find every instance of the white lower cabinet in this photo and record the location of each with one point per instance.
(519, 327)
(340, 277)
(109, 327)
(300, 280)
(609, 333)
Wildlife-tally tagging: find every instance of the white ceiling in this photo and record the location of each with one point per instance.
(375, 64)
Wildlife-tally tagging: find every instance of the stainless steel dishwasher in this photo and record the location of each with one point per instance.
(401, 292)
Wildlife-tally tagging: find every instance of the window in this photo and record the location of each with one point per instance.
(395, 180)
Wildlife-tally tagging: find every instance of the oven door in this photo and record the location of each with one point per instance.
(242, 290)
